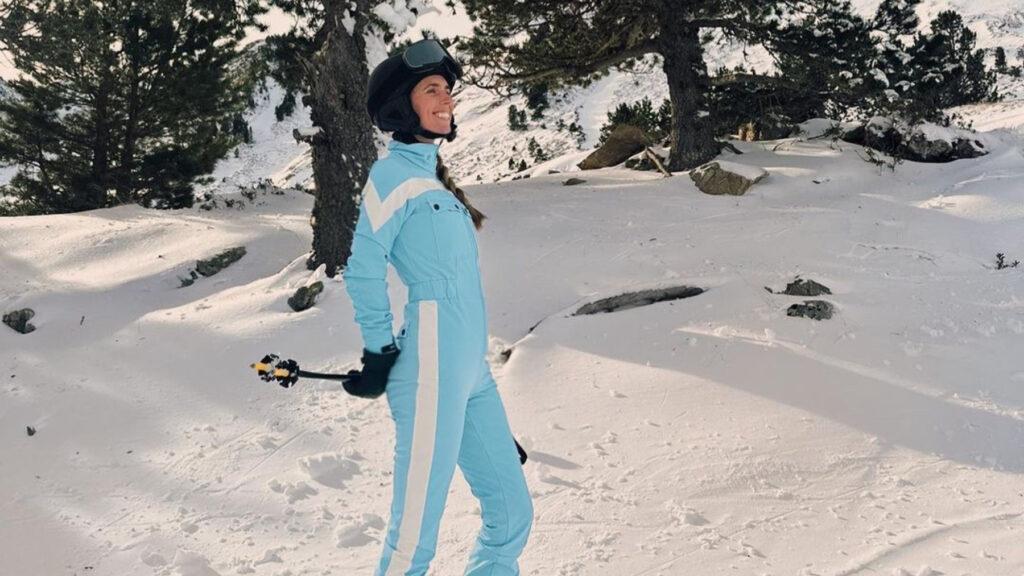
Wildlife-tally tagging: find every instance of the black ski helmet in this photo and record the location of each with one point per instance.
(391, 82)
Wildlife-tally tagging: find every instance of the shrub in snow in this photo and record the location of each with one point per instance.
(641, 114)
(19, 320)
(728, 178)
(1001, 262)
(516, 119)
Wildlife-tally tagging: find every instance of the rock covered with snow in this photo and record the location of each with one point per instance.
(721, 177)
(925, 142)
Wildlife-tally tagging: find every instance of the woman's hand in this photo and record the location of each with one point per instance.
(373, 379)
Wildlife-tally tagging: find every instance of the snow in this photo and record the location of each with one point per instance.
(752, 173)
(710, 435)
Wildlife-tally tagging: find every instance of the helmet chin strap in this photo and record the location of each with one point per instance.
(434, 135)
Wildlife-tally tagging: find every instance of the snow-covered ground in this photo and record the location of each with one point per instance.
(713, 435)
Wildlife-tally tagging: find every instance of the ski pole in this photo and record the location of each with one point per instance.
(287, 372)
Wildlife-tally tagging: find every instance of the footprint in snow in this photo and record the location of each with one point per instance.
(330, 469)
(354, 533)
(294, 492)
(191, 564)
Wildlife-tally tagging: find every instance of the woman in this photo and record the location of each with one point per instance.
(443, 399)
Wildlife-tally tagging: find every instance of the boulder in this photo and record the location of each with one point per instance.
(720, 177)
(19, 320)
(305, 297)
(801, 287)
(921, 143)
(813, 309)
(622, 143)
(220, 261)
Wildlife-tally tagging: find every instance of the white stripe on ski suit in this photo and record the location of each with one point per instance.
(424, 429)
(380, 212)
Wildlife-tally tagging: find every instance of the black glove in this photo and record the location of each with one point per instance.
(373, 379)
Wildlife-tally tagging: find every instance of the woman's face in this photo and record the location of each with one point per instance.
(432, 102)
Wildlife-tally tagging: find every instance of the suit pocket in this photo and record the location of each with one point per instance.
(453, 230)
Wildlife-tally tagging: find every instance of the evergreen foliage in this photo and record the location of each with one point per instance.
(119, 102)
(537, 100)
(641, 114)
(560, 42)
(516, 118)
(323, 56)
(1000, 63)
(946, 70)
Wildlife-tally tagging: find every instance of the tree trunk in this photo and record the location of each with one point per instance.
(126, 191)
(99, 179)
(691, 137)
(343, 150)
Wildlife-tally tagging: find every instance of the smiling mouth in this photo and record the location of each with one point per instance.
(443, 115)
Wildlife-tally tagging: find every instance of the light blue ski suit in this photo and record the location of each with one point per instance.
(443, 399)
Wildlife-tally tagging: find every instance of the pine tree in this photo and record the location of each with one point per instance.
(1000, 63)
(826, 60)
(894, 26)
(324, 56)
(119, 101)
(947, 69)
(562, 42)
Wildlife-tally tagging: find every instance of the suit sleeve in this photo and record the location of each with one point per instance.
(367, 267)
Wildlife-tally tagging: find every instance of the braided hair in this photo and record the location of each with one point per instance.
(445, 177)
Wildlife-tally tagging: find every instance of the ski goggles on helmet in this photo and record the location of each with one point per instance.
(429, 53)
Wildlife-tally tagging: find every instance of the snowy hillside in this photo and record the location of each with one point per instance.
(486, 144)
(713, 435)
(704, 436)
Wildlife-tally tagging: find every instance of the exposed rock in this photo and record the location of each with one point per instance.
(813, 309)
(305, 297)
(853, 134)
(921, 143)
(220, 261)
(940, 146)
(720, 177)
(920, 148)
(636, 299)
(19, 320)
(801, 287)
(622, 143)
(573, 182)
